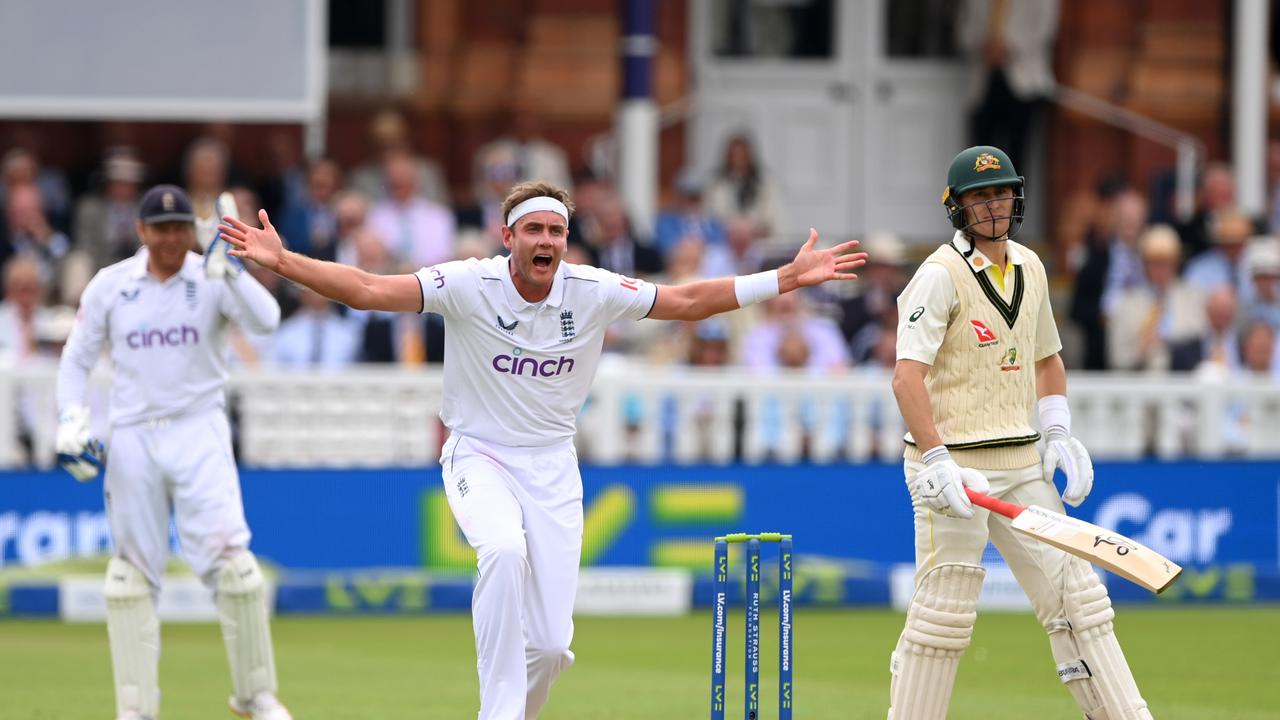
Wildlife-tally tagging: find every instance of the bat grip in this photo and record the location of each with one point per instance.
(1007, 509)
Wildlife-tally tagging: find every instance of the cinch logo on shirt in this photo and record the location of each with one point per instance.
(170, 337)
(516, 365)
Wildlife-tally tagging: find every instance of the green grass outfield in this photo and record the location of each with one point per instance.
(1192, 664)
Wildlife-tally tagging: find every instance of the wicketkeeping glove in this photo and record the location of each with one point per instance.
(217, 263)
(79, 452)
(941, 484)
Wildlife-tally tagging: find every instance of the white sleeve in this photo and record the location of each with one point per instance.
(84, 345)
(445, 287)
(924, 312)
(248, 303)
(624, 297)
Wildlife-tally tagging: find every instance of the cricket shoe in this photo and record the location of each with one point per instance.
(264, 706)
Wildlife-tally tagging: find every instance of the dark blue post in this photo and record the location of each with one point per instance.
(751, 684)
(720, 605)
(785, 636)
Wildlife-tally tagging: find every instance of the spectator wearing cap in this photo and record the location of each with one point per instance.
(1260, 300)
(1221, 265)
(876, 307)
(1148, 321)
(104, 220)
(687, 217)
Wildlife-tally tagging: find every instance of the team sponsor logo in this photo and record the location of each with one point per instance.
(504, 327)
(514, 364)
(1009, 361)
(986, 336)
(915, 314)
(130, 295)
(168, 337)
(567, 332)
(629, 283)
(985, 162)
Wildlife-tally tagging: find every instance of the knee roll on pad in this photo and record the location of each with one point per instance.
(1085, 648)
(938, 630)
(242, 611)
(133, 630)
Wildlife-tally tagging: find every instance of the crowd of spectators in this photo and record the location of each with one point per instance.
(1201, 296)
(394, 212)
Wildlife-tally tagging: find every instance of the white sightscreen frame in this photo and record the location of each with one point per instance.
(307, 104)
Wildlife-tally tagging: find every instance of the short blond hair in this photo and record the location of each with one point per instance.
(1160, 242)
(533, 189)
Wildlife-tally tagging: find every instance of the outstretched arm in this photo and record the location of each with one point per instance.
(348, 285)
(702, 299)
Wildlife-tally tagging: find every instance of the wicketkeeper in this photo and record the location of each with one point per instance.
(977, 352)
(162, 316)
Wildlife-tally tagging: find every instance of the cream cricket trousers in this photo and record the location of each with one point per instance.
(521, 510)
(1037, 566)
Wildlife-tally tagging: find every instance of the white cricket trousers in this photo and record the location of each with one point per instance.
(185, 464)
(521, 510)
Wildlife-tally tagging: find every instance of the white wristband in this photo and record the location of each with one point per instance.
(751, 289)
(936, 454)
(1054, 413)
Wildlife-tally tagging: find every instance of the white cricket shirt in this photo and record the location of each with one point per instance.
(166, 339)
(517, 373)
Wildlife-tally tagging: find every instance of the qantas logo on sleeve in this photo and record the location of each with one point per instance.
(985, 335)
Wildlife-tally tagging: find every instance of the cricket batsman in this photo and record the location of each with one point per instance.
(162, 315)
(977, 352)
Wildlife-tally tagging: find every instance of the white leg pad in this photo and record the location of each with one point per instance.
(242, 610)
(134, 632)
(939, 627)
(1084, 645)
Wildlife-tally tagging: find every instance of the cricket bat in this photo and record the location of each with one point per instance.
(1125, 557)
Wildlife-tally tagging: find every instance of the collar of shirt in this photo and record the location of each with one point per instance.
(191, 270)
(518, 303)
(979, 261)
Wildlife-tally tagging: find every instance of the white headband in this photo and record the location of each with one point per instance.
(535, 204)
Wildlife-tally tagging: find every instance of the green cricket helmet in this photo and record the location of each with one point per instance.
(978, 167)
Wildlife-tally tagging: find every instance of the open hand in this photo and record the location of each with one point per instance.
(261, 246)
(814, 267)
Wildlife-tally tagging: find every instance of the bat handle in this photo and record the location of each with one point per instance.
(1007, 509)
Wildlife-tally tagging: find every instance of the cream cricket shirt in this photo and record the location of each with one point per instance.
(517, 373)
(981, 332)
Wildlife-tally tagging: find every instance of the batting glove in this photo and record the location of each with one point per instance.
(941, 484)
(1068, 454)
(79, 452)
